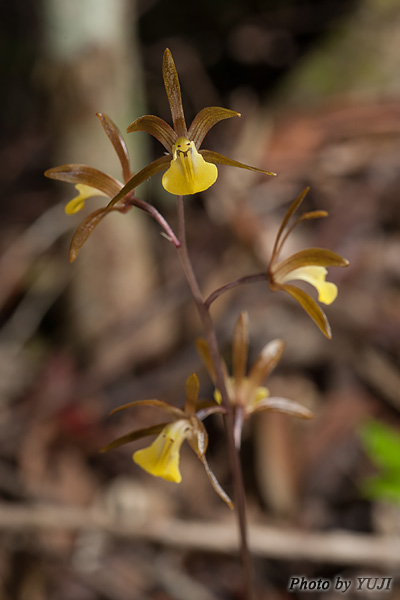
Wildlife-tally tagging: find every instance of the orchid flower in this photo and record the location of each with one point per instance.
(90, 182)
(190, 170)
(161, 458)
(246, 392)
(307, 265)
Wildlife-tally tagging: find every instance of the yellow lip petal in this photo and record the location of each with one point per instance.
(188, 173)
(161, 459)
(78, 203)
(315, 275)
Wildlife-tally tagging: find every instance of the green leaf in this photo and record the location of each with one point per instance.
(382, 443)
(383, 488)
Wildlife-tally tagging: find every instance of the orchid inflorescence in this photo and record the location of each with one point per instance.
(189, 169)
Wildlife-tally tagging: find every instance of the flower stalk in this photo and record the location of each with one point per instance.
(232, 284)
(233, 453)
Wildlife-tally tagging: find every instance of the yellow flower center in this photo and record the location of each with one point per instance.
(247, 395)
(188, 173)
(161, 459)
(84, 192)
(315, 275)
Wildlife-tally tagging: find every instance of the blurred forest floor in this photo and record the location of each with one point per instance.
(318, 88)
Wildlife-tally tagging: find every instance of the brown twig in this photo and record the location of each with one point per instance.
(335, 547)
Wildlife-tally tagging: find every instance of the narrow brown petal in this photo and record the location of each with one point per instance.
(165, 406)
(292, 208)
(156, 127)
(283, 405)
(321, 257)
(205, 120)
(205, 409)
(265, 363)
(215, 483)
(240, 348)
(220, 159)
(192, 393)
(75, 173)
(204, 352)
(158, 165)
(311, 308)
(118, 142)
(89, 224)
(198, 443)
(202, 349)
(173, 89)
(313, 214)
(134, 435)
(85, 229)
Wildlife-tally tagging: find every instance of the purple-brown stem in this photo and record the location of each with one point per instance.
(234, 458)
(232, 284)
(153, 212)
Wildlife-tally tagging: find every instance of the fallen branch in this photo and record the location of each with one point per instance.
(265, 541)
